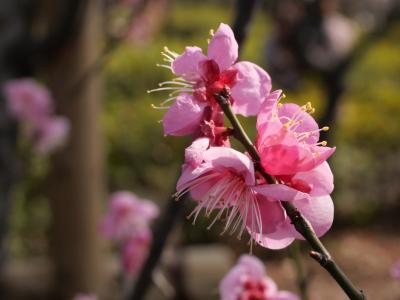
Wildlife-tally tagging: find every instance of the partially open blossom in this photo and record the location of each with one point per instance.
(200, 77)
(51, 134)
(223, 180)
(31, 104)
(127, 215)
(288, 138)
(135, 250)
(248, 280)
(85, 297)
(28, 100)
(395, 272)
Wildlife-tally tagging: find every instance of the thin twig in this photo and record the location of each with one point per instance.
(301, 224)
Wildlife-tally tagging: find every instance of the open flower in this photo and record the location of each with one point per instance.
(288, 138)
(201, 76)
(223, 180)
(27, 100)
(248, 280)
(51, 133)
(127, 215)
(32, 105)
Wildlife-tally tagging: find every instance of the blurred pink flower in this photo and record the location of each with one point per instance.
(28, 100)
(395, 272)
(135, 250)
(51, 134)
(201, 76)
(288, 138)
(248, 281)
(127, 215)
(85, 297)
(223, 179)
(31, 103)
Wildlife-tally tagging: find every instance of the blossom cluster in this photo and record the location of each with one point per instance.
(31, 104)
(248, 280)
(127, 222)
(224, 181)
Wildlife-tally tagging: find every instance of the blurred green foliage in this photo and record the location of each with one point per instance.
(366, 163)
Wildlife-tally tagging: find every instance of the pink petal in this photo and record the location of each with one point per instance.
(188, 174)
(186, 65)
(252, 86)
(52, 134)
(307, 122)
(318, 211)
(223, 47)
(195, 152)
(320, 179)
(184, 116)
(279, 239)
(268, 107)
(271, 213)
(313, 156)
(280, 192)
(230, 159)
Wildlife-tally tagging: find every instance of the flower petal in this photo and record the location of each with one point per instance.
(268, 107)
(223, 47)
(195, 152)
(320, 179)
(228, 158)
(252, 85)
(280, 192)
(184, 116)
(279, 239)
(186, 65)
(318, 211)
(306, 122)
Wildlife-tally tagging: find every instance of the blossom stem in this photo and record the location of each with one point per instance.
(302, 225)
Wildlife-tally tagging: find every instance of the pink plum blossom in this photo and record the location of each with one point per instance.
(28, 100)
(31, 103)
(222, 179)
(127, 215)
(288, 138)
(248, 280)
(395, 272)
(135, 250)
(51, 134)
(85, 297)
(201, 76)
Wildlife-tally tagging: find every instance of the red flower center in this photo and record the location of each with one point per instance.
(213, 81)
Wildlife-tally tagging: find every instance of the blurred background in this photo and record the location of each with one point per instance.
(98, 59)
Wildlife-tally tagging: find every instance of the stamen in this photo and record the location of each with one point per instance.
(212, 32)
(174, 82)
(172, 53)
(159, 107)
(164, 66)
(181, 89)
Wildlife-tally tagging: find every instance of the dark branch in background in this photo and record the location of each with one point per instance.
(66, 28)
(171, 214)
(334, 79)
(244, 10)
(301, 224)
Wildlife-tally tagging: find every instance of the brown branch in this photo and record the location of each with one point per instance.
(301, 224)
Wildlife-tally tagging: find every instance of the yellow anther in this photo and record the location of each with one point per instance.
(325, 128)
(211, 32)
(324, 143)
(280, 105)
(208, 41)
(283, 96)
(166, 49)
